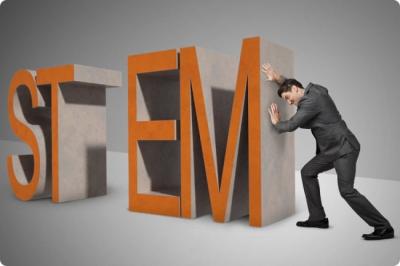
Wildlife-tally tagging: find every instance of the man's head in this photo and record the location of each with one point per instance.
(291, 91)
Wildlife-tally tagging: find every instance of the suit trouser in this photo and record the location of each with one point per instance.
(345, 167)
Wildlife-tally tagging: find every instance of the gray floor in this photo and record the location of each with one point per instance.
(101, 231)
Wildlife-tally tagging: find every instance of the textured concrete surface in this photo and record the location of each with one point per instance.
(277, 150)
(82, 140)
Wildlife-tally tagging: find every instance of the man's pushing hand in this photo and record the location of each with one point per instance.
(274, 113)
(271, 74)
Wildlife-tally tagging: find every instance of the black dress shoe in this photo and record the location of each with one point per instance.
(379, 234)
(324, 223)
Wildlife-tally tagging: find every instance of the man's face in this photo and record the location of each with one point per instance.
(293, 96)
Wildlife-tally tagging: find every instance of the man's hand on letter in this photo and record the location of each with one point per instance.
(274, 113)
(271, 74)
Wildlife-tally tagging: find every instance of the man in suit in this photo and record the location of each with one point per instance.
(337, 147)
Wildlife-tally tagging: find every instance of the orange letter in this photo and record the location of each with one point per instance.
(221, 194)
(148, 130)
(24, 187)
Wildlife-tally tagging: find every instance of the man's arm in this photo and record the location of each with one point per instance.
(308, 109)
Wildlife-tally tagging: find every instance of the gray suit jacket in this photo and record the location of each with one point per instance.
(317, 111)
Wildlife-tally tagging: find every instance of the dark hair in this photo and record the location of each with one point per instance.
(287, 86)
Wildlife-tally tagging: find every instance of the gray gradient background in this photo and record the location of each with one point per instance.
(351, 47)
(347, 46)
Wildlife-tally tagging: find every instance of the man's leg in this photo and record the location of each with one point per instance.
(309, 176)
(345, 168)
